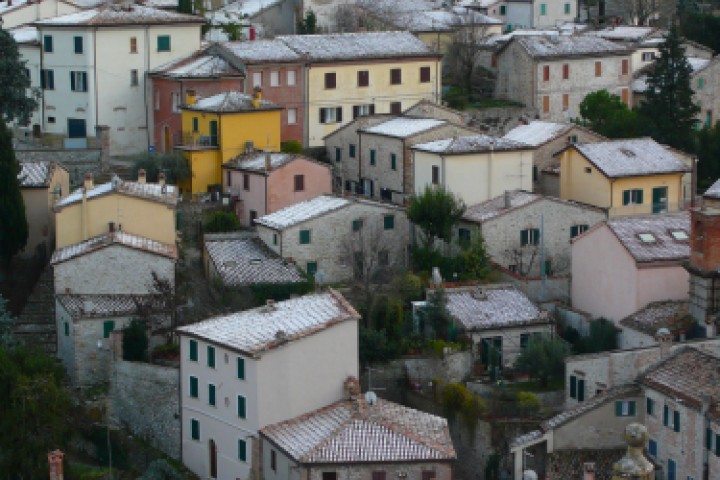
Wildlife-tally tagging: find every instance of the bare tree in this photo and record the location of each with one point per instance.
(461, 59)
(346, 18)
(523, 259)
(159, 308)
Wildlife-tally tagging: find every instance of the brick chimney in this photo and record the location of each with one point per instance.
(55, 465)
(161, 178)
(141, 176)
(268, 161)
(88, 181)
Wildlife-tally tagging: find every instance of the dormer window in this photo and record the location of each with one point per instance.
(647, 238)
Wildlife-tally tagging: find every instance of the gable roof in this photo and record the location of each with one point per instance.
(538, 132)
(666, 314)
(492, 306)
(201, 64)
(113, 15)
(256, 162)
(353, 431)
(150, 191)
(252, 332)
(664, 247)
(623, 33)
(236, 12)
(113, 238)
(230, 102)
(713, 191)
(403, 127)
(440, 20)
(262, 51)
(496, 206)
(300, 212)
(25, 34)
(109, 305)
(563, 46)
(630, 158)
(470, 144)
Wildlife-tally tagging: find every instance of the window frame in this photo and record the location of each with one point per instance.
(305, 237)
(78, 81)
(193, 387)
(630, 195)
(48, 41)
(164, 43)
(133, 45)
(47, 79)
(275, 78)
(425, 74)
(134, 78)
(195, 429)
(78, 41)
(210, 352)
(396, 76)
(598, 68)
(292, 116)
(241, 412)
(242, 450)
(240, 368)
(529, 237)
(193, 350)
(389, 222)
(330, 81)
(291, 78)
(393, 161)
(299, 182)
(212, 395)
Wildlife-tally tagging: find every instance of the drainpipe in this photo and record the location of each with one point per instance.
(145, 91)
(359, 155)
(490, 165)
(306, 103)
(95, 87)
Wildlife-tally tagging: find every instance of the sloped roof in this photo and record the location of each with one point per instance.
(657, 315)
(236, 12)
(35, 174)
(150, 191)
(115, 305)
(440, 20)
(403, 127)
(302, 211)
(113, 238)
(538, 132)
(569, 46)
(262, 51)
(632, 157)
(248, 261)
(229, 102)
(254, 331)
(470, 144)
(495, 207)
(623, 33)
(256, 162)
(491, 307)
(713, 191)
(198, 65)
(25, 34)
(352, 431)
(663, 246)
(113, 15)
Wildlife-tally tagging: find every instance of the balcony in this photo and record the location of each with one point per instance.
(196, 141)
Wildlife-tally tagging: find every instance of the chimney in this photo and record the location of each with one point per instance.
(55, 465)
(161, 178)
(268, 161)
(88, 181)
(190, 97)
(665, 340)
(589, 471)
(257, 96)
(351, 388)
(508, 199)
(141, 176)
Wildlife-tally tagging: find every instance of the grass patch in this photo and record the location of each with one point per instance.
(535, 386)
(81, 471)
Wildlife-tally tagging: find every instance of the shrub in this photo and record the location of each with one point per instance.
(221, 221)
(135, 341)
(291, 146)
(528, 402)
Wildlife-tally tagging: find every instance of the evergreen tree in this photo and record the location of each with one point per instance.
(435, 211)
(607, 115)
(307, 25)
(13, 224)
(668, 110)
(15, 104)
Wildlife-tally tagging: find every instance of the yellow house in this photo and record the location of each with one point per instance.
(223, 126)
(143, 209)
(626, 177)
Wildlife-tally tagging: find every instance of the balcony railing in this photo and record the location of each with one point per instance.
(194, 139)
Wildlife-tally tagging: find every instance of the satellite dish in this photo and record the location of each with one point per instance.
(370, 398)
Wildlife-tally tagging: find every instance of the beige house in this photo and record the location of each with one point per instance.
(42, 184)
(244, 371)
(339, 239)
(475, 168)
(640, 329)
(622, 265)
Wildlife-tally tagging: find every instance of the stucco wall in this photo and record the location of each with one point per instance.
(281, 184)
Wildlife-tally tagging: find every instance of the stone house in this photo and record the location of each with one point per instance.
(475, 168)
(428, 109)
(515, 224)
(622, 265)
(244, 371)
(643, 40)
(499, 319)
(327, 443)
(537, 14)
(42, 184)
(706, 88)
(373, 156)
(339, 239)
(251, 19)
(265, 182)
(640, 329)
(554, 73)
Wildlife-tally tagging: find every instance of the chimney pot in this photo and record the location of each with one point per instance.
(268, 161)
(88, 181)
(142, 176)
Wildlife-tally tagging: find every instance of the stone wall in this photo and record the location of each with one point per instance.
(146, 400)
(77, 162)
(500, 120)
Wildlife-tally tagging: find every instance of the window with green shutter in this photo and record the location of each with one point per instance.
(241, 407)
(196, 124)
(708, 439)
(304, 237)
(573, 386)
(503, 9)
(242, 450)
(193, 350)
(633, 197)
(78, 44)
(389, 222)
(357, 225)
(372, 157)
(666, 415)
(625, 408)
(351, 151)
(717, 445)
(163, 43)
(311, 268)
(581, 390)
(676, 421)
(194, 387)
(211, 356)
(194, 429)
(241, 368)
(338, 154)
(543, 9)
(47, 44)
(701, 82)
(67, 329)
(649, 406)
(108, 326)
(211, 394)
(567, 9)
(530, 236)
(393, 161)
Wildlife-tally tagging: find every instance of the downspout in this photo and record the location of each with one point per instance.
(95, 87)
(490, 165)
(402, 175)
(442, 163)
(306, 103)
(610, 205)
(145, 91)
(360, 155)
(266, 192)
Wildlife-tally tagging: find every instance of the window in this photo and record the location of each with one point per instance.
(708, 439)
(275, 239)
(78, 44)
(576, 230)
(543, 9)
(133, 44)
(546, 73)
(246, 181)
(700, 83)
(275, 79)
(194, 429)
(389, 222)
(428, 475)
(383, 258)
(193, 350)
(524, 340)
(163, 43)
(311, 268)
(51, 120)
(211, 356)
(273, 460)
(133, 78)
(372, 157)
(363, 78)
(530, 236)
(396, 108)
(567, 9)
(393, 161)
(108, 327)
(357, 225)
(241, 407)
(647, 237)
(175, 102)
(193, 387)
(292, 116)
(625, 96)
(680, 235)
(379, 475)
(211, 394)
(717, 445)
(652, 448)
(671, 471)
(242, 450)
(566, 71)
(666, 415)
(708, 119)
(27, 73)
(633, 197)
(291, 77)
(463, 236)
(331, 115)
(625, 408)
(47, 43)
(648, 56)
(573, 139)
(299, 183)
(329, 475)
(625, 66)
(195, 124)
(241, 364)
(351, 150)
(503, 9)
(435, 174)
(78, 81)
(649, 406)
(546, 104)
(565, 102)
(598, 69)
(395, 76)
(257, 79)
(573, 386)
(360, 110)
(330, 81)
(338, 154)
(676, 421)
(67, 329)
(424, 78)
(47, 79)
(304, 237)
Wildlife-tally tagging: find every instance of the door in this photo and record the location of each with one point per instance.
(76, 128)
(214, 133)
(671, 470)
(213, 459)
(492, 352)
(167, 137)
(659, 200)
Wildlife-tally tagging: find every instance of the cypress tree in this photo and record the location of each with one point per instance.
(16, 103)
(13, 224)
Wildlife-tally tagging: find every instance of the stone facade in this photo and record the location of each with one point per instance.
(426, 109)
(145, 399)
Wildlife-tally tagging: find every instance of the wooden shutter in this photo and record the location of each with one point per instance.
(338, 114)
(666, 415)
(211, 394)
(363, 78)
(536, 236)
(211, 356)
(708, 438)
(322, 115)
(195, 429)
(566, 71)
(108, 326)
(598, 69)
(676, 421)
(632, 408)
(241, 407)
(546, 104)
(573, 231)
(395, 76)
(639, 197)
(625, 67)
(546, 73)
(299, 183)
(435, 175)
(523, 237)
(72, 81)
(193, 387)
(581, 390)
(717, 445)
(241, 368)
(626, 197)
(619, 408)
(193, 350)
(372, 109)
(565, 102)
(424, 74)
(330, 80)
(356, 111)
(242, 450)
(396, 108)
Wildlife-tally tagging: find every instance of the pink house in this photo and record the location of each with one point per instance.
(622, 265)
(264, 183)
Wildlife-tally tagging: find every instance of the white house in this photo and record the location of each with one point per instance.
(94, 71)
(27, 40)
(14, 13)
(241, 372)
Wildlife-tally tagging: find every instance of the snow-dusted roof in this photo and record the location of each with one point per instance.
(246, 261)
(440, 20)
(537, 132)
(491, 307)
(404, 127)
(665, 314)
(470, 144)
(353, 431)
(640, 83)
(25, 34)
(257, 162)
(495, 40)
(713, 191)
(113, 238)
(115, 305)
(202, 65)
(262, 51)
(663, 246)
(477, 3)
(35, 174)
(569, 46)
(302, 211)
(383, 7)
(349, 46)
(151, 191)
(229, 102)
(632, 157)
(623, 32)
(237, 12)
(264, 328)
(6, 7)
(111, 15)
(161, 3)
(494, 207)
(697, 64)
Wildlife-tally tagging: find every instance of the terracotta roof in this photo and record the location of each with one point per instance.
(113, 15)
(650, 238)
(353, 431)
(303, 211)
(470, 144)
(492, 306)
(632, 157)
(150, 191)
(671, 314)
(561, 46)
(113, 238)
(256, 162)
(229, 102)
(36, 174)
(255, 331)
(98, 306)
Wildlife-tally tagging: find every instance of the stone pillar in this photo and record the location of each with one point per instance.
(634, 465)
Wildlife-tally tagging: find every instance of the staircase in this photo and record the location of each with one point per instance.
(36, 324)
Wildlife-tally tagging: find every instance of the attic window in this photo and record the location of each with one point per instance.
(627, 153)
(230, 264)
(255, 261)
(647, 238)
(680, 235)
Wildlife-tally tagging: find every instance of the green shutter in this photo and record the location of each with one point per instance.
(194, 387)
(193, 350)
(666, 415)
(311, 268)
(676, 421)
(242, 450)
(573, 386)
(356, 225)
(567, 8)
(389, 222)
(632, 408)
(108, 326)
(241, 407)
(195, 429)
(195, 123)
(393, 161)
(649, 406)
(211, 356)
(523, 237)
(372, 157)
(543, 9)
(338, 154)
(211, 394)
(304, 237)
(536, 238)
(626, 197)
(163, 43)
(708, 438)
(619, 408)
(351, 153)
(581, 390)
(717, 445)
(573, 231)
(640, 197)
(78, 41)
(241, 368)
(67, 329)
